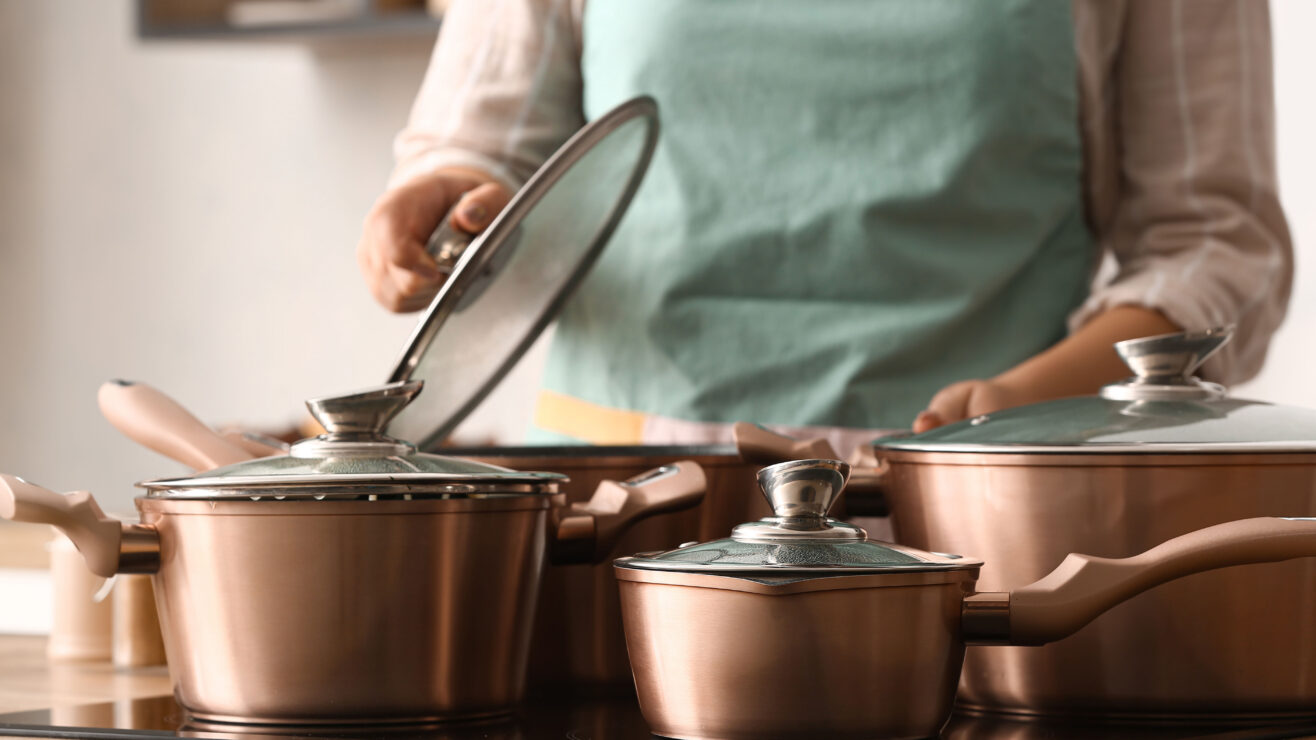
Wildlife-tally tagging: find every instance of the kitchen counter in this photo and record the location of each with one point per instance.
(29, 681)
(97, 695)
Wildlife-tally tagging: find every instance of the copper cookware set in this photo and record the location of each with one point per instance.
(353, 578)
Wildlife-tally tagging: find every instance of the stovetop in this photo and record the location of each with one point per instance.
(561, 719)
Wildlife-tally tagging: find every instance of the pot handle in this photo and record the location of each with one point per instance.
(108, 545)
(762, 446)
(588, 532)
(257, 445)
(765, 447)
(157, 421)
(1084, 587)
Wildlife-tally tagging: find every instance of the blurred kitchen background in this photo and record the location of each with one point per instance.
(180, 201)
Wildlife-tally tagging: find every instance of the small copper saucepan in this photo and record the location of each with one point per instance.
(353, 579)
(798, 626)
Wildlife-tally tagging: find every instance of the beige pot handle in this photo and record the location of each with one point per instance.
(765, 447)
(257, 445)
(588, 532)
(98, 537)
(1083, 587)
(155, 420)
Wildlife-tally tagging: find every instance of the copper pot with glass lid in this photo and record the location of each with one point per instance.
(799, 626)
(353, 579)
(1150, 458)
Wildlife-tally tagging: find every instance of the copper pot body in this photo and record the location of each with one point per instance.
(312, 611)
(1233, 644)
(578, 639)
(876, 660)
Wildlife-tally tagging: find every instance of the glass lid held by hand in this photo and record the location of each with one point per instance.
(512, 281)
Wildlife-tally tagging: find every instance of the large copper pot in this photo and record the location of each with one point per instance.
(353, 579)
(799, 627)
(1152, 458)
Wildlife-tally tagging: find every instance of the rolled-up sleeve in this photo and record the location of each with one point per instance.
(502, 92)
(1196, 229)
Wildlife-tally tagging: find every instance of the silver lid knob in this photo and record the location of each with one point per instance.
(803, 488)
(1172, 356)
(801, 492)
(1163, 366)
(363, 412)
(355, 422)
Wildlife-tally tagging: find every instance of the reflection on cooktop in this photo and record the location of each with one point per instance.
(563, 719)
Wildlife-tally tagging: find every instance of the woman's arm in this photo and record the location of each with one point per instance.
(501, 94)
(1078, 365)
(1188, 207)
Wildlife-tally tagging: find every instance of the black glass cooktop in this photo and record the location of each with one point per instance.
(560, 719)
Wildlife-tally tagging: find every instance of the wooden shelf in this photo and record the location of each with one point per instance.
(208, 20)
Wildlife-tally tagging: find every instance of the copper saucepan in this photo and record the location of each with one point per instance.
(579, 643)
(353, 579)
(1152, 458)
(797, 626)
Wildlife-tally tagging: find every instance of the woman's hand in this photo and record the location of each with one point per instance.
(967, 399)
(400, 273)
(1078, 365)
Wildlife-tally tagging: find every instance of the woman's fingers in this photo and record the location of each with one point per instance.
(948, 405)
(478, 207)
(399, 271)
(967, 399)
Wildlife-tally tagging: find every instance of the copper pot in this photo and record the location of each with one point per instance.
(353, 579)
(799, 627)
(578, 639)
(1152, 458)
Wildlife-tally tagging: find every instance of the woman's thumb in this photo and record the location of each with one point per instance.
(478, 207)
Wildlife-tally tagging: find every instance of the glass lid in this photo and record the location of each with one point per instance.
(353, 458)
(1162, 409)
(513, 279)
(799, 539)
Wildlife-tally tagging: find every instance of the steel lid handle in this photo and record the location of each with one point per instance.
(1172, 356)
(803, 489)
(801, 492)
(364, 412)
(1163, 367)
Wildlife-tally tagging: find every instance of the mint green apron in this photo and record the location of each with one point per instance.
(854, 203)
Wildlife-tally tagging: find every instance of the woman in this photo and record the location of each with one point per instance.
(863, 213)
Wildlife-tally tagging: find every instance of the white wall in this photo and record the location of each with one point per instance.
(1288, 375)
(186, 214)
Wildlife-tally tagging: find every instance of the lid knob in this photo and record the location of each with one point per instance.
(1172, 356)
(363, 412)
(802, 489)
(800, 492)
(354, 422)
(1163, 366)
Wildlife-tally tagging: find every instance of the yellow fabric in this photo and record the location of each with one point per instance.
(588, 422)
